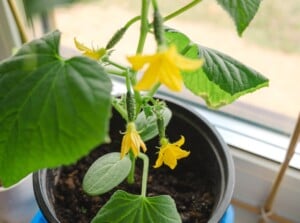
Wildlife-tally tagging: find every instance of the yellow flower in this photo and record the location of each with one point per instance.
(95, 54)
(169, 153)
(132, 140)
(163, 67)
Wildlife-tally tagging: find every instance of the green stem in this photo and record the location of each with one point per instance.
(144, 26)
(128, 82)
(145, 159)
(130, 178)
(154, 4)
(132, 21)
(119, 108)
(152, 92)
(115, 72)
(181, 10)
(161, 127)
(141, 43)
(110, 62)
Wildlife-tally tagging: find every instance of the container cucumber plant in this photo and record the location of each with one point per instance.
(54, 110)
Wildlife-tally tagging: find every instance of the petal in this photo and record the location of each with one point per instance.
(149, 78)
(143, 146)
(171, 77)
(180, 142)
(138, 61)
(134, 144)
(180, 153)
(187, 64)
(80, 46)
(169, 158)
(159, 160)
(92, 54)
(124, 146)
(183, 62)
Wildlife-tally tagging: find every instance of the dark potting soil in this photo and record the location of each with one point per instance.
(191, 184)
(192, 195)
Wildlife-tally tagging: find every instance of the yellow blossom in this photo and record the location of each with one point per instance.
(163, 67)
(132, 141)
(169, 153)
(95, 54)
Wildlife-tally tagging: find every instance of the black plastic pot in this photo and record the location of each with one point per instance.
(209, 153)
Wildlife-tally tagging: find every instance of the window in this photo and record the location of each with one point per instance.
(272, 51)
(269, 112)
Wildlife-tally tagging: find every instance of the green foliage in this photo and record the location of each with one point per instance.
(129, 208)
(146, 125)
(52, 110)
(222, 79)
(241, 11)
(105, 173)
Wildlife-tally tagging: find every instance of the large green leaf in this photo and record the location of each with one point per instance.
(52, 110)
(128, 208)
(241, 11)
(222, 79)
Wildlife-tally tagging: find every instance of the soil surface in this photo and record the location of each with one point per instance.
(193, 198)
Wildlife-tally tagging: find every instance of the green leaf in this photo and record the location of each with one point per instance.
(229, 74)
(105, 173)
(146, 125)
(128, 208)
(52, 111)
(222, 79)
(241, 11)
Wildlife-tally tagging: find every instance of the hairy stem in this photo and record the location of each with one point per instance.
(144, 26)
(130, 178)
(145, 159)
(182, 10)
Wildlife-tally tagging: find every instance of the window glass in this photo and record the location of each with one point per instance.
(270, 45)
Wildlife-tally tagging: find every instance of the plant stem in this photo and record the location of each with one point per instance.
(145, 159)
(152, 92)
(144, 26)
(127, 82)
(141, 43)
(181, 10)
(130, 178)
(114, 64)
(115, 72)
(119, 108)
(154, 4)
(132, 21)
